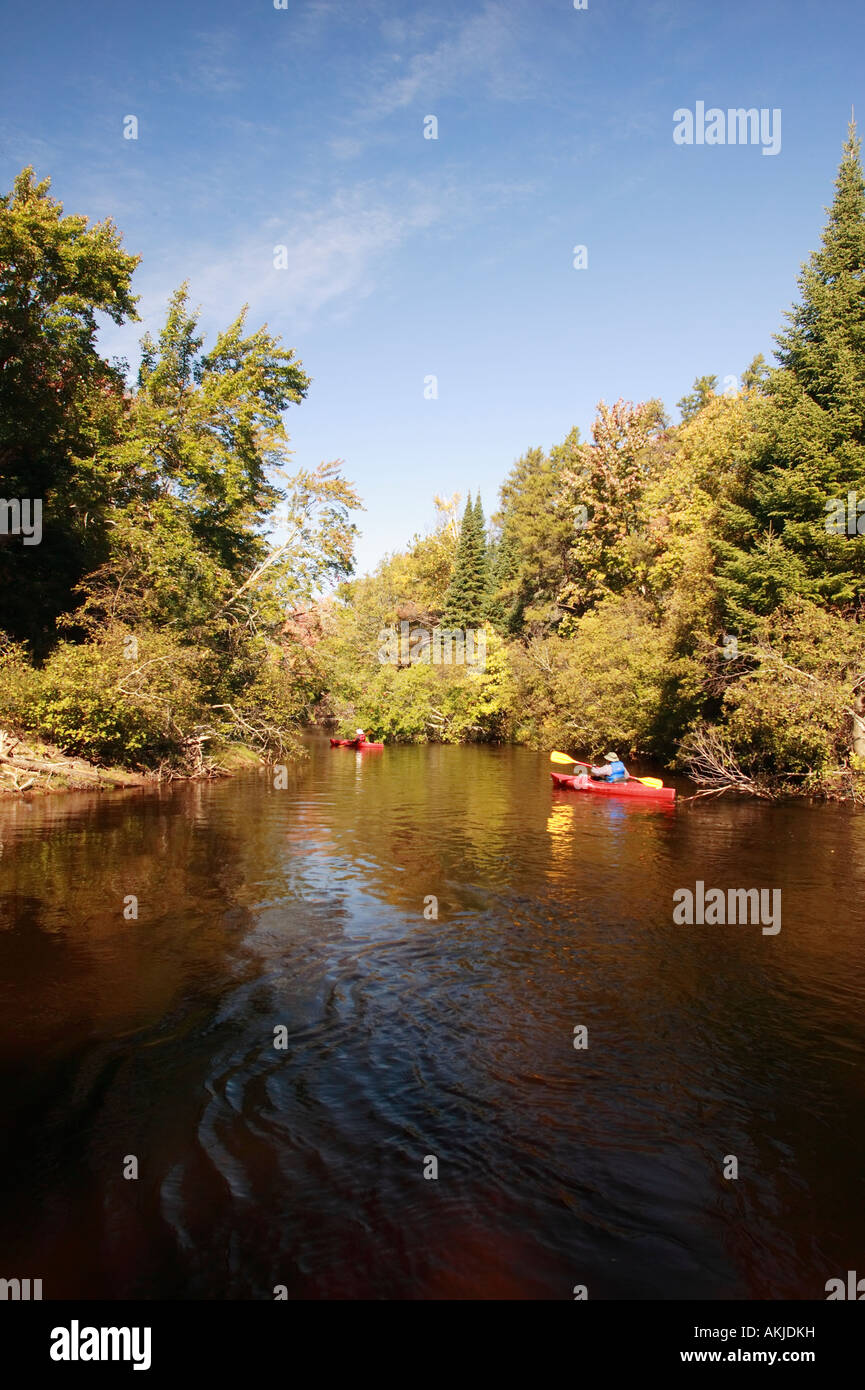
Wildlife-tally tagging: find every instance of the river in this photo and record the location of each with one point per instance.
(423, 1125)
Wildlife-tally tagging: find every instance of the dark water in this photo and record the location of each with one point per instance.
(409, 1037)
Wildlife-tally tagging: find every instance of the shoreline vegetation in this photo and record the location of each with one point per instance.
(38, 769)
(689, 593)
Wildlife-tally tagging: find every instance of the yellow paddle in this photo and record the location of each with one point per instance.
(575, 762)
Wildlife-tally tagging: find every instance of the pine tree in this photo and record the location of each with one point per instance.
(503, 608)
(482, 560)
(466, 596)
(806, 452)
(756, 373)
(704, 388)
(824, 346)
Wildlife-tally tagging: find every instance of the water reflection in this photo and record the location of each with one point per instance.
(407, 1035)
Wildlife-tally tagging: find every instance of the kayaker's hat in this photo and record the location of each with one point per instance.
(611, 757)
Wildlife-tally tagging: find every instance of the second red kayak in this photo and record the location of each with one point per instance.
(359, 745)
(632, 787)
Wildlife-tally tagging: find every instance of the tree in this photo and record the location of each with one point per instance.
(206, 446)
(529, 566)
(704, 388)
(776, 540)
(482, 562)
(502, 611)
(62, 406)
(214, 540)
(824, 345)
(756, 373)
(467, 594)
(605, 489)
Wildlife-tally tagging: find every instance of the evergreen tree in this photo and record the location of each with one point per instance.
(482, 559)
(466, 597)
(704, 388)
(806, 451)
(503, 559)
(756, 373)
(824, 346)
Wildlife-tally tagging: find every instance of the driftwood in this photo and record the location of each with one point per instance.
(712, 765)
(43, 765)
(29, 763)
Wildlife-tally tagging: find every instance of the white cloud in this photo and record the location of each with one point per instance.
(487, 45)
(335, 256)
(212, 63)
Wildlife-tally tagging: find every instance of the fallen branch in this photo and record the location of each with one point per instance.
(711, 763)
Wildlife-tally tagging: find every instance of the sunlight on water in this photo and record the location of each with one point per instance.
(409, 1036)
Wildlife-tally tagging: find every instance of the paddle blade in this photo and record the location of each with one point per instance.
(649, 781)
(562, 758)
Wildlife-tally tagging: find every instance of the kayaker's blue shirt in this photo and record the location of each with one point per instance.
(617, 772)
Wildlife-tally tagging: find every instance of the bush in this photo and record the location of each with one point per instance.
(19, 683)
(442, 704)
(276, 699)
(114, 703)
(615, 682)
(790, 713)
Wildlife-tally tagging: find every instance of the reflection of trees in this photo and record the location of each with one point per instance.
(72, 964)
(304, 906)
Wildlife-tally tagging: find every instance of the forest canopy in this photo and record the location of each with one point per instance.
(690, 591)
(147, 626)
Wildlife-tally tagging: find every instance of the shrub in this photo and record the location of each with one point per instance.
(616, 681)
(790, 714)
(100, 702)
(19, 683)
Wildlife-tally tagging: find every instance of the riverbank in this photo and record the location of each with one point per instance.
(32, 767)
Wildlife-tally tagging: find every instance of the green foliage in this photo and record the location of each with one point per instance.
(790, 713)
(61, 405)
(756, 373)
(605, 488)
(615, 577)
(170, 512)
(530, 562)
(18, 685)
(615, 680)
(807, 446)
(98, 702)
(703, 390)
(468, 593)
(444, 704)
(824, 345)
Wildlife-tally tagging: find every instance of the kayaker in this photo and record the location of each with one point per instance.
(360, 735)
(613, 770)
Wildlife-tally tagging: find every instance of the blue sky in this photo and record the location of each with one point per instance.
(451, 257)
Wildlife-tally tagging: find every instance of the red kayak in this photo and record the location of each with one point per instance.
(574, 782)
(360, 745)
